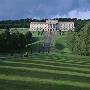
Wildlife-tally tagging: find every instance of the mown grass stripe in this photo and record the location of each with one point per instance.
(52, 62)
(57, 60)
(52, 66)
(49, 62)
(48, 71)
(45, 81)
(72, 61)
(49, 67)
(45, 75)
(68, 61)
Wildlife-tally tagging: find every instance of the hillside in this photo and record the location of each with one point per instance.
(57, 70)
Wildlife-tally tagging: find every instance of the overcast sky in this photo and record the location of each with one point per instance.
(17, 9)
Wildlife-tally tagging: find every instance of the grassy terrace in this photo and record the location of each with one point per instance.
(58, 70)
(45, 72)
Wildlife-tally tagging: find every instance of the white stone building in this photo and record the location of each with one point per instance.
(52, 25)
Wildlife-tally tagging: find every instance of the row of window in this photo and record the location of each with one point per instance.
(66, 24)
(54, 26)
(39, 29)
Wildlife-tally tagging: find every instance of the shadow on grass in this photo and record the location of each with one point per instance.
(59, 46)
(18, 85)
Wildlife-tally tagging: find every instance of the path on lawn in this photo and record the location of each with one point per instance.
(46, 43)
(48, 40)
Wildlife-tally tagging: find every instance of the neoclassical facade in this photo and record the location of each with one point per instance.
(52, 25)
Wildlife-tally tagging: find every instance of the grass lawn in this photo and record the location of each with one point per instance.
(58, 70)
(45, 72)
(22, 30)
(2, 30)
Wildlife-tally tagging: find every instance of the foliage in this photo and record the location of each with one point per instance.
(28, 35)
(22, 23)
(25, 23)
(10, 42)
(80, 41)
(79, 24)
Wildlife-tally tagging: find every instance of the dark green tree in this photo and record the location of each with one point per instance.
(28, 36)
(80, 41)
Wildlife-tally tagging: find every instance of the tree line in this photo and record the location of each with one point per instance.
(25, 23)
(22, 23)
(80, 41)
(15, 41)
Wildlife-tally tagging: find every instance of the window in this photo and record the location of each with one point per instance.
(54, 25)
(50, 25)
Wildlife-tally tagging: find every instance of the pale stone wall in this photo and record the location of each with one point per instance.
(38, 26)
(66, 26)
(52, 25)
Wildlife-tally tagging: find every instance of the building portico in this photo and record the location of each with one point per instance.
(52, 24)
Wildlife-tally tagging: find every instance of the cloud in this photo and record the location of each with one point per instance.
(74, 14)
(79, 14)
(16, 9)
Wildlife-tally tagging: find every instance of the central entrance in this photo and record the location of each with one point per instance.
(52, 27)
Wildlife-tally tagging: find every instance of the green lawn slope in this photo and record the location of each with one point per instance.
(59, 70)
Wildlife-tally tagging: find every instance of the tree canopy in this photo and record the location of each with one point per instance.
(80, 41)
(15, 41)
(25, 23)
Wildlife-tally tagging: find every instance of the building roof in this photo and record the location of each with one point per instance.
(38, 22)
(65, 22)
(50, 21)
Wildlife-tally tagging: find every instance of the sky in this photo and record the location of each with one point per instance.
(19, 9)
